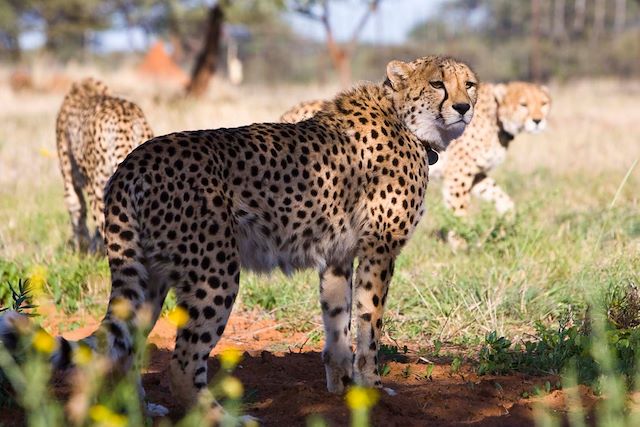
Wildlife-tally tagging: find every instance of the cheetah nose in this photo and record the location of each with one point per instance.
(537, 121)
(461, 108)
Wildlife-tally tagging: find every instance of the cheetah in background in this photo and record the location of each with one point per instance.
(188, 210)
(95, 131)
(502, 112)
(303, 111)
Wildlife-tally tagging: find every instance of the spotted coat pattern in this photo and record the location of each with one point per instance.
(94, 133)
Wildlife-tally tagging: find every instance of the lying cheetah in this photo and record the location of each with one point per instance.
(503, 111)
(187, 210)
(94, 133)
(302, 111)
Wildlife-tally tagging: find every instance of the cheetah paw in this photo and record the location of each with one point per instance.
(154, 410)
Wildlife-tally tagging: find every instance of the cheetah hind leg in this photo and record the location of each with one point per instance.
(208, 298)
(335, 300)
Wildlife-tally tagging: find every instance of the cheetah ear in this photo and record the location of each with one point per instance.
(499, 91)
(545, 89)
(398, 72)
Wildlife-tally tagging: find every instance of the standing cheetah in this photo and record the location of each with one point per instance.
(187, 210)
(94, 133)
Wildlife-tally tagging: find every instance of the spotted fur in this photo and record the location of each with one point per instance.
(188, 210)
(95, 131)
(503, 111)
(302, 111)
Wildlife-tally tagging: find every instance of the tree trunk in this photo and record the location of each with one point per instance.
(341, 60)
(206, 60)
(598, 19)
(545, 20)
(620, 16)
(534, 55)
(558, 20)
(580, 11)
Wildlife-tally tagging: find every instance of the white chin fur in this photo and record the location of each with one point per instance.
(430, 132)
(531, 127)
(439, 137)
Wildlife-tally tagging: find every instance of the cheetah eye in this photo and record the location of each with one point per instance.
(471, 84)
(437, 84)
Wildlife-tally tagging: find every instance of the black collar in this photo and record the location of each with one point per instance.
(504, 137)
(432, 155)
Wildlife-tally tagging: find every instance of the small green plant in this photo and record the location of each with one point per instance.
(20, 298)
(393, 352)
(428, 372)
(455, 366)
(384, 369)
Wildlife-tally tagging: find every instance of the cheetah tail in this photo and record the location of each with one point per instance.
(13, 325)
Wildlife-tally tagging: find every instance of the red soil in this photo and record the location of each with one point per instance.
(286, 385)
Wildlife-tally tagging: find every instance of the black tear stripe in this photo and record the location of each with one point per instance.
(446, 96)
(446, 93)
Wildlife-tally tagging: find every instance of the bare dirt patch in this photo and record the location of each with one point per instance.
(284, 387)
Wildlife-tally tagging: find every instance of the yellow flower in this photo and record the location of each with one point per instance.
(37, 279)
(83, 355)
(121, 308)
(230, 357)
(178, 316)
(232, 387)
(105, 417)
(43, 342)
(361, 397)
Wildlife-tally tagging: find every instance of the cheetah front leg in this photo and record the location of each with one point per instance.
(372, 284)
(456, 192)
(485, 188)
(335, 299)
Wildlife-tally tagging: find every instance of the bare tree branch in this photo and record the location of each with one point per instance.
(355, 35)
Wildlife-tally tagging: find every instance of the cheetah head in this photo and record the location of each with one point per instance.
(522, 106)
(90, 86)
(434, 96)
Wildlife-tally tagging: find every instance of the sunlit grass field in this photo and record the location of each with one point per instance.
(576, 232)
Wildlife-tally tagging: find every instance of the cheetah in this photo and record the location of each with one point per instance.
(503, 111)
(95, 131)
(302, 111)
(188, 210)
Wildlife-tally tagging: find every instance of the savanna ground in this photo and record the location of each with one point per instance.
(575, 239)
